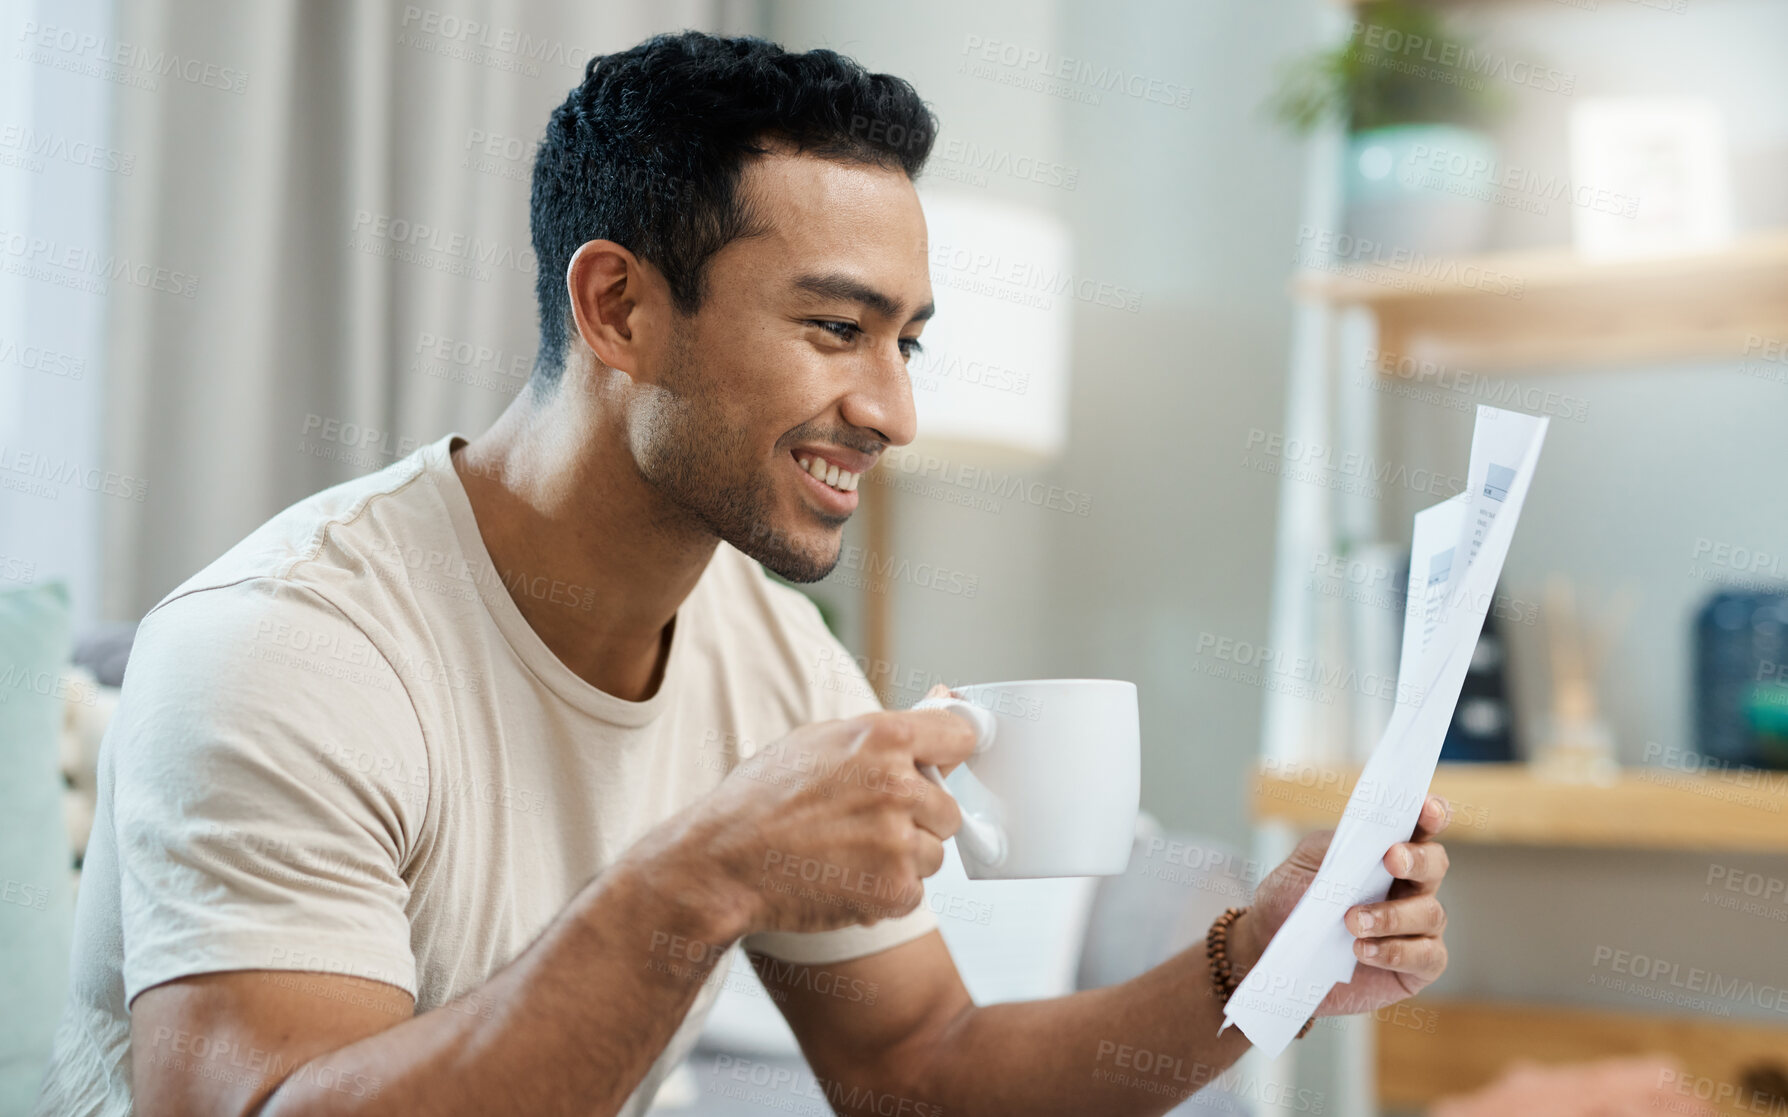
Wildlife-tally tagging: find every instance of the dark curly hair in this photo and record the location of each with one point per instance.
(649, 149)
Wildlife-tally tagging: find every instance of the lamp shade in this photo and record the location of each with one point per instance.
(993, 374)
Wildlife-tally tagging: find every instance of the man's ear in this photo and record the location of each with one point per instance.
(619, 304)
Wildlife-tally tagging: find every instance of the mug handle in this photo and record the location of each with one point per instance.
(981, 837)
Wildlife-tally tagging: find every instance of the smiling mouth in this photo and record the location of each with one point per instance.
(829, 473)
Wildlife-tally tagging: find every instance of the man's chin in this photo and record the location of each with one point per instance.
(799, 557)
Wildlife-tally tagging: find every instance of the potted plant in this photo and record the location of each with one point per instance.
(1409, 92)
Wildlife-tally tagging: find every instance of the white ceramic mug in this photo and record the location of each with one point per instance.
(1053, 786)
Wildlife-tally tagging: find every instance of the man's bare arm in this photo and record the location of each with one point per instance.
(1128, 1050)
(573, 1024)
(925, 1049)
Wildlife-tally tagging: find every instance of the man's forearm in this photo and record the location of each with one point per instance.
(576, 1020)
(1132, 1049)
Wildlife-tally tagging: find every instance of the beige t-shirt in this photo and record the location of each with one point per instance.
(341, 748)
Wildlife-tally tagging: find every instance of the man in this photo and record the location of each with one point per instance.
(446, 790)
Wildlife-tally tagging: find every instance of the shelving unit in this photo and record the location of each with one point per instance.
(1505, 804)
(1472, 1044)
(1508, 313)
(1514, 310)
(1433, 1048)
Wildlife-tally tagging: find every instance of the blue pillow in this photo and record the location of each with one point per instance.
(36, 889)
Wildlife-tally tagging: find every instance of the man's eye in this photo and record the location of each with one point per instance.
(848, 332)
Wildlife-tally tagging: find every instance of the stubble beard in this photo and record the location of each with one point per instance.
(689, 452)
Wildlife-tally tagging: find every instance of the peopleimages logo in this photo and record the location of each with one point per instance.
(1024, 282)
(419, 236)
(1328, 250)
(1460, 389)
(80, 268)
(1349, 471)
(64, 48)
(42, 475)
(1434, 166)
(1455, 63)
(1079, 75)
(33, 148)
(893, 568)
(506, 48)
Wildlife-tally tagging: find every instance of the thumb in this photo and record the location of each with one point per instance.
(1311, 850)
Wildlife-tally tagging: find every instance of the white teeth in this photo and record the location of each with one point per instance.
(841, 479)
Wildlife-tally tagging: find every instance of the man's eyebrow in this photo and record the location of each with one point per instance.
(843, 287)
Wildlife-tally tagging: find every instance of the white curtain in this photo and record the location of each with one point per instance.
(331, 200)
(57, 169)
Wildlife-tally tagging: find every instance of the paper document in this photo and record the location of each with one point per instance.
(1456, 558)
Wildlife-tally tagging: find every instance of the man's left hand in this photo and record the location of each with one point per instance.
(1397, 941)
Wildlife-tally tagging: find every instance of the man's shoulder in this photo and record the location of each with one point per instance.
(259, 641)
(331, 538)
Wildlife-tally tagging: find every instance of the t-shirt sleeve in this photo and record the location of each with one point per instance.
(269, 776)
(838, 689)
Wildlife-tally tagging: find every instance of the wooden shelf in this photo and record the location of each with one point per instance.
(1551, 307)
(1428, 1049)
(1503, 804)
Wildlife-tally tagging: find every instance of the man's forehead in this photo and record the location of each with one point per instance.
(812, 206)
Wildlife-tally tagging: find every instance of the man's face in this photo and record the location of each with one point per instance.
(798, 354)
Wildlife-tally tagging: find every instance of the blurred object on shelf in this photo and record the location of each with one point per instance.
(1655, 173)
(1420, 171)
(1418, 189)
(1741, 679)
(1609, 1088)
(1483, 726)
(1576, 744)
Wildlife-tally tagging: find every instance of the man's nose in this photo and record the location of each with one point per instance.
(883, 400)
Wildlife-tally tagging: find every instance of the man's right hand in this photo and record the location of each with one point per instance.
(830, 826)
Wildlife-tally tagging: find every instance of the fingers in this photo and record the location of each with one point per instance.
(907, 739)
(1417, 915)
(1421, 863)
(1422, 957)
(928, 853)
(931, 736)
(1436, 813)
(934, 810)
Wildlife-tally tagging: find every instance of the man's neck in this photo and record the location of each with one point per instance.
(560, 503)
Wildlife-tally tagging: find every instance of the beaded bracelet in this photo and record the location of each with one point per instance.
(1223, 979)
